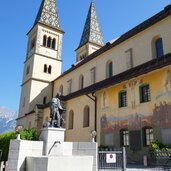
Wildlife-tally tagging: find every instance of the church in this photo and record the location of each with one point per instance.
(121, 89)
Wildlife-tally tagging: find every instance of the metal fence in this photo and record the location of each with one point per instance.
(160, 158)
(112, 160)
(3, 166)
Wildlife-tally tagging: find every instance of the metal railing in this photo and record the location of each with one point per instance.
(112, 160)
(3, 166)
(160, 158)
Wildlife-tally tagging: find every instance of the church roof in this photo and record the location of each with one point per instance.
(91, 32)
(48, 14)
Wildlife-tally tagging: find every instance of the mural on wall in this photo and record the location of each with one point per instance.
(168, 81)
(131, 87)
(166, 92)
(131, 122)
(160, 117)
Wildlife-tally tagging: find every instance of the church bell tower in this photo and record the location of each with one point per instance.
(43, 59)
(91, 39)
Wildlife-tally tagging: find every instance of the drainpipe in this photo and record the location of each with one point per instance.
(95, 111)
(52, 88)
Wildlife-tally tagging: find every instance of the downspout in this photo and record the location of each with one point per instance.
(95, 111)
(52, 89)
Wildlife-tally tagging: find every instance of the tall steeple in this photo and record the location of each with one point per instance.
(43, 60)
(48, 14)
(91, 32)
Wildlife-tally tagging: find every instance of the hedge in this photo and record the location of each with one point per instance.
(26, 134)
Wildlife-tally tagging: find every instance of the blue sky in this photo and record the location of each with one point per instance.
(17, 17)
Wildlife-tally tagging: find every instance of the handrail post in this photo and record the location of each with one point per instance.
(124, 158)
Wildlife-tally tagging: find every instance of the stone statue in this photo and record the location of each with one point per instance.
(56, 112)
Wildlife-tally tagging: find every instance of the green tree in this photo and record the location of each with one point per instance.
(26, 134)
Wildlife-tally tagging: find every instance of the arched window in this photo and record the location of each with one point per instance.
(109, 69)
(44, 100)
(104, 99)
(44, 40)
(147, 133)
(49, 42)
(27, 69)
(32, 43)
(86, 117)
(61, 89)
(71, 120)
(81, 82)
(49, 69)
(24, 101)
(124, 137)
(159, 48)
(53, 43)
(45, 68)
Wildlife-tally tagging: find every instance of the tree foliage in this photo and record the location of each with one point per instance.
(158, 146)
(29, 134)
(4, 143)
(26, 134)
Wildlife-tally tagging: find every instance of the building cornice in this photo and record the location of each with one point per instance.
(60, 60)
(35, 79)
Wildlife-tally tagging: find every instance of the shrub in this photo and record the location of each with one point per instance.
(4, 143)
(29, 134)
(158, 146)
(26, 134)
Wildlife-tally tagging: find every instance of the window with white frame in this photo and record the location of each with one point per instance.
(147, 135)
(81, 82)
(93, 75)
(71, 120)
(69, 86)
(124, 136)
(129, 58)
(109, 69)
(86, 117)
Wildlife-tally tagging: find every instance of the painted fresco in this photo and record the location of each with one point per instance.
(131, 122)
(160, 115)
(131, 88)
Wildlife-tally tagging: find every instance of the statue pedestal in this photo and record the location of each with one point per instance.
(52, 137)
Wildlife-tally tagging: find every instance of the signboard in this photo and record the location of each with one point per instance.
(110, 158)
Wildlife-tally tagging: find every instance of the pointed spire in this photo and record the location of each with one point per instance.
(91, 32)
(48, 14)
